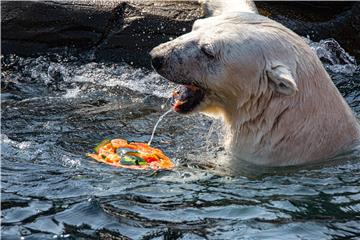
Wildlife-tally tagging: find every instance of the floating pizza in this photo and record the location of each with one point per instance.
(134, 155)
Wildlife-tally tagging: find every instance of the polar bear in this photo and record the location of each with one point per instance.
(265, 82)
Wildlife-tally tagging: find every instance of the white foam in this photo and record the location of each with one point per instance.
(334, 57)
(70, 162)
(124, 75)
(14, 144)
(72, 93)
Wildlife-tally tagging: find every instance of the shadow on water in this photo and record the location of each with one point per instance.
(56, 107)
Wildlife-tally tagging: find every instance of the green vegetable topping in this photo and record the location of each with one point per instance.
(101, 144)
(123, 151)
(132, 160)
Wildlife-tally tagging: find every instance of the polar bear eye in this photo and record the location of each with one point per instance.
(208, 51)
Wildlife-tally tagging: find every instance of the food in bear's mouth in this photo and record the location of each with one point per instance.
(186, 98)
(134, 155)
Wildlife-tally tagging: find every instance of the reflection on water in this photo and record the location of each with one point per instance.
(55, 108)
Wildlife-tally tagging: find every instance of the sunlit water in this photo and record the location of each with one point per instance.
(56, 108)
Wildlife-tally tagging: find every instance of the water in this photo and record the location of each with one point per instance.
(55, 108)
(156, 125)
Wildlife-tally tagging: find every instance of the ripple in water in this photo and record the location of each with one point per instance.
(56, 107)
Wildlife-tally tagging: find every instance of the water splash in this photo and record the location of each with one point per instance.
(333, 56)
(68, 77)
(156, 125)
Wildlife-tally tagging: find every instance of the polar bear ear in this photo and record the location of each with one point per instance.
(281, 80)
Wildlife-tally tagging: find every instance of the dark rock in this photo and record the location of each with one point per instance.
(319, 20)
(127, 30)
(115, 30)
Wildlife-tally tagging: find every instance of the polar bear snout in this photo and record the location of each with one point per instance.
(157, 62)
(160, 56)
(157, 58)
(175, 61)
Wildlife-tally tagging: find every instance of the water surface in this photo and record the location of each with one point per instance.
(56, 107)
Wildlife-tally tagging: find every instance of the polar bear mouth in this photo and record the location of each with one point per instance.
(186, 97)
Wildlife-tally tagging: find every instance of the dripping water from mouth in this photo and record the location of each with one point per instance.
(156, 125)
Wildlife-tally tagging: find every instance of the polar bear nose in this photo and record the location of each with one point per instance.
(157, 62)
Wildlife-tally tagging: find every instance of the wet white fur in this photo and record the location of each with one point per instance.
(267, 84)
(218, 7)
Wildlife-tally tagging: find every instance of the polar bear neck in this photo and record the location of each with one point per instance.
(270, 129)
(218, 7)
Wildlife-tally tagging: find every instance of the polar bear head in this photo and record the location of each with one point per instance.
(230, 62)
